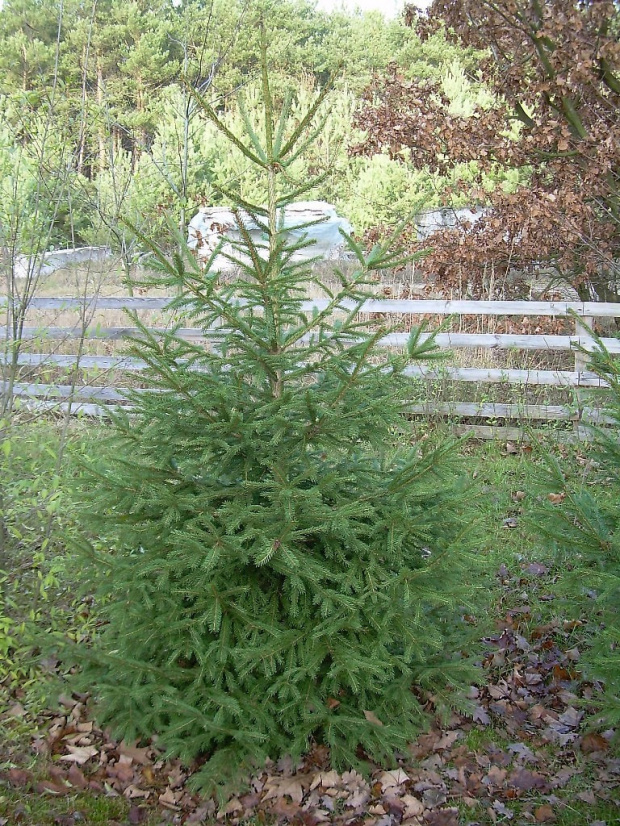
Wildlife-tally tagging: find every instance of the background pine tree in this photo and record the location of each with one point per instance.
(276, 563)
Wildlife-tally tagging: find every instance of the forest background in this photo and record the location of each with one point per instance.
(98, 124)
(508, 108)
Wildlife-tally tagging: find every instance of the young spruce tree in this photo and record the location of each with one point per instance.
(276, 563)
(584, 529)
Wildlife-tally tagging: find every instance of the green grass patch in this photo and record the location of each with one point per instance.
(84, 809)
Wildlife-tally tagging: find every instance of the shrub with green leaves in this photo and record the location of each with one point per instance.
(276, 562)
(585, 530)
(34, 524)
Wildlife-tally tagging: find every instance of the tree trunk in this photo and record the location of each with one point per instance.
(101, 132)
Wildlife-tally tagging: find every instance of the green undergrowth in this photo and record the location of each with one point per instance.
(37, 597)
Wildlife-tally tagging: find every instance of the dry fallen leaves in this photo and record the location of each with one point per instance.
(19, 777)
(79, 754)
(327, 780)
(544, 814)
(389, 780)
(284, 787)
(593, 742)
(372, 718)
(137, 755)
(413, 806)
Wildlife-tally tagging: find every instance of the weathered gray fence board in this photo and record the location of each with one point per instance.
(60, 360)
(57, 395)
(98, 332)
(497, 375)
(489, 341)
(505, 341)
(500, 410)
(518, 434)
(493, 308)
(74, 408)
(387, 305)
(98, 302)
(558, 378)
(68, 391)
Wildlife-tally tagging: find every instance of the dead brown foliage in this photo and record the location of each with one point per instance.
(554, 67)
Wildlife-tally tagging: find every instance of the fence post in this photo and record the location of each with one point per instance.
(583, 324)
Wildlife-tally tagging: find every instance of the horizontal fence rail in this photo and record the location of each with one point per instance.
(499, 341)
(421, 306)
(476, 375)
(88, 399)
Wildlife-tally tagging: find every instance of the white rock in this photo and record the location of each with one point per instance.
(214, 224)
(48, 262)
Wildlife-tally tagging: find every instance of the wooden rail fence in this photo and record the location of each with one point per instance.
(89, 399)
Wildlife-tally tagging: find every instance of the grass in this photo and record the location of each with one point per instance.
(80, 809)
(569, 814)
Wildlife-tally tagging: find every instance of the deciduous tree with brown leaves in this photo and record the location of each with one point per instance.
(554, 66)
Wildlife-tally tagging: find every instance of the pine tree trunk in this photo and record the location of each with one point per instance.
(101, 134)
(140, 106)
(604, 289)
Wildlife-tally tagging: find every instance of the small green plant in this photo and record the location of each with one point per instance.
(275, 563)
(7, 630)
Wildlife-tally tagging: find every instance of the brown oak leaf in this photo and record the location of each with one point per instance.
(278, 787)
(19, 777)
(544, 814)
(80, 754)
(593, 742)
(372, 718)
(527, 780)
